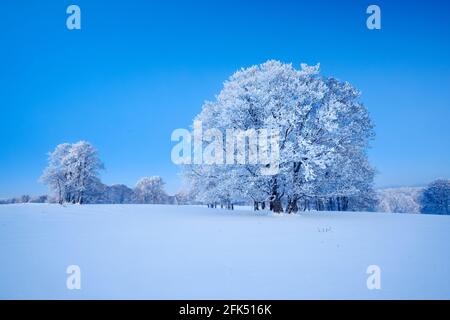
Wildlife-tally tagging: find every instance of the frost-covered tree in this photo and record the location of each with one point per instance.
(83, 165)
(72, 171)
(435, 198)
(184, 197)
(39, 199)
(56, 174)
(400, 200)
(101, 193)
(119, 193)
(320, 124)
(150, 190)
(25, 198)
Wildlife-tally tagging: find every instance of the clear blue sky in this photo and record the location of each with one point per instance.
(139, 69)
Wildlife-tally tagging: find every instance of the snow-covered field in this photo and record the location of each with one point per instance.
(188, 252)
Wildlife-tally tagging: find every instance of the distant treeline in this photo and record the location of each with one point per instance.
(115, 194)
(433, 199)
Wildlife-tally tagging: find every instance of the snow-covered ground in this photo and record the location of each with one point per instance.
(188, 252)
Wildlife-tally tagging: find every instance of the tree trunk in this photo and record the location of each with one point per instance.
(275, 200)
(344, 204)
(255, 206)
(276, 205)
(320, 206)
(80, 198)
(292, 206)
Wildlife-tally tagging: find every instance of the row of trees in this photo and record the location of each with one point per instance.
(72, 176)
(433, 199)
(324, 133)
(26, 199)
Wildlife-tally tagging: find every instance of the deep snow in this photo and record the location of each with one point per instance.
(189, 252)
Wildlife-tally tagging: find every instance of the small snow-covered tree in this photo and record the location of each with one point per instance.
(72, 171)
(150, 190)
(25, 198)
(119, 193)
(39, 199)
(82, 165)
(101, 193)
(400, 200)
(435, 198)
(184, 197)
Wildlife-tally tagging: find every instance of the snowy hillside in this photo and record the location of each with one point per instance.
(188, 252)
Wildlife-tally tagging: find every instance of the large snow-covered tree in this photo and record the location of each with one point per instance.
(435, 198)
(320, 124)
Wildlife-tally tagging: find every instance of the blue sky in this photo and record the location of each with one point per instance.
(139, 69)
